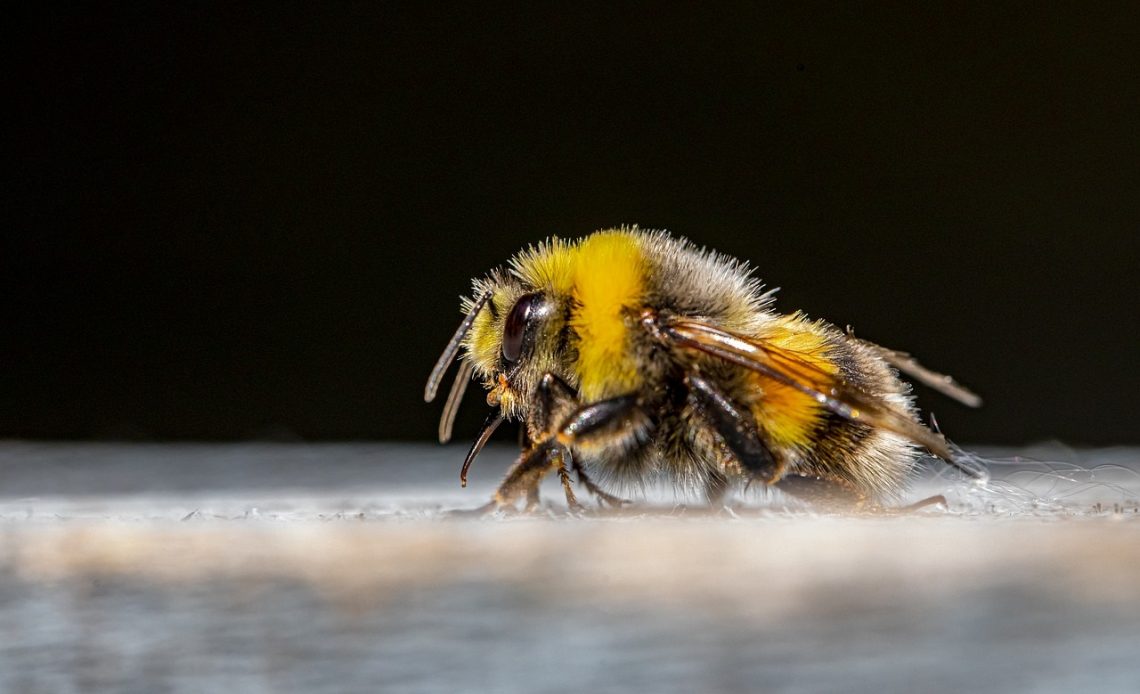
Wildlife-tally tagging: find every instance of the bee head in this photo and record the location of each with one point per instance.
(514, 340)
(514, 332)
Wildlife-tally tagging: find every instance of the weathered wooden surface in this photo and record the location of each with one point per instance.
(266, 568)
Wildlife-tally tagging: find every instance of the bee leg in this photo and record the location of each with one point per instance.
(825, 491)
(598, 492)
(583, 424)
(737, 429)
(556, 400)
(532, 499)
(571, 499)
(936, 500)
(524, 478)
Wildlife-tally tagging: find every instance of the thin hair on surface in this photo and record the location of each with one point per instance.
(1029, 486)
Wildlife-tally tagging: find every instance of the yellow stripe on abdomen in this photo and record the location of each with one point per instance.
(787, 415)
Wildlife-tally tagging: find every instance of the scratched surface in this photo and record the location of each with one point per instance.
(335, 568)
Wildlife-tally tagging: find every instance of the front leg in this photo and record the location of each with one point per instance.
(585, 425)
(555, 402)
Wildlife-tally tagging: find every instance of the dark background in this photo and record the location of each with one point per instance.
(254, 223)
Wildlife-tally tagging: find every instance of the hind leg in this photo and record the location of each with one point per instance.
(825, 491)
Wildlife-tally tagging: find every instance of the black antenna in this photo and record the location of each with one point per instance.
(448, 355)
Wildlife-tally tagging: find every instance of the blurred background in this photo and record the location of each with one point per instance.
(231, 224)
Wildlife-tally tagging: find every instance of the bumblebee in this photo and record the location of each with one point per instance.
(630, 355)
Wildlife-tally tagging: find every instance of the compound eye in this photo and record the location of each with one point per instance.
(515, 328)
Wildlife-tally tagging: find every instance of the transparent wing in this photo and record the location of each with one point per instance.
(797, 371)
